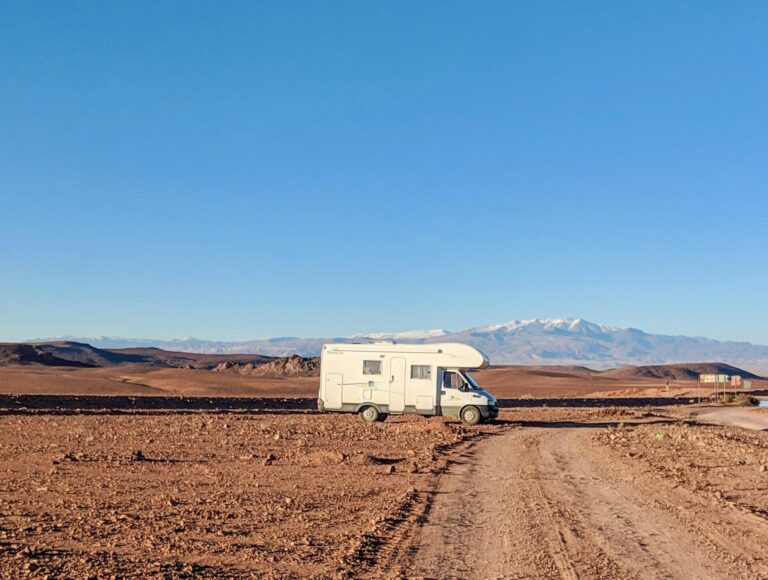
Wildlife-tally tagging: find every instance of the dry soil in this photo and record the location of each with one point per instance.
(544, 493)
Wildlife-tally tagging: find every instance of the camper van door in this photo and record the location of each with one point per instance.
(333, 382)
(397, 385)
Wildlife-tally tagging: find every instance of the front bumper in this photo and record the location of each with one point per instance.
(490, 412)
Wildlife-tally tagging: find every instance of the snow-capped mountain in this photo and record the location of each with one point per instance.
(537, 341)
(576, 341)
(576, 325)
(403, 336)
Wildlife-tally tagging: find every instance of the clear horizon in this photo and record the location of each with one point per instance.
(243, 170)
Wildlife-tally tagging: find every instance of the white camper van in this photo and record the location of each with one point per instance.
(383, 378)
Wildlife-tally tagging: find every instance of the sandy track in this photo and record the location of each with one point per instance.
(555, 503)
(745, 417)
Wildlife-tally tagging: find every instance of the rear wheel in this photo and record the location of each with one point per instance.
(369, 414)
(382, 417)
(470, 415)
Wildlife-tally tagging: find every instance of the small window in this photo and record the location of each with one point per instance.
(452, 380)
(421, 371)
(371, 367)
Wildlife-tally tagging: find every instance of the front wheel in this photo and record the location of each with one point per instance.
(369, 414)
(470, 415)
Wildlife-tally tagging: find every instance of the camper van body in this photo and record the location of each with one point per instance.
(388, 378)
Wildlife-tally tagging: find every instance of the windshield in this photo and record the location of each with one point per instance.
(471, 381)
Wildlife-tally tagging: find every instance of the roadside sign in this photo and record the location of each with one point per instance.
(713, 378)
(736, 381)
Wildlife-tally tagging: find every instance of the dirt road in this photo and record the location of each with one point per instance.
(745, 417)
(558, 502)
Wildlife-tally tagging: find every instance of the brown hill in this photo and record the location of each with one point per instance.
(27, 354)
(85, 353)
(676, 372)
(550, 370)
(99, 357)
(191, 360)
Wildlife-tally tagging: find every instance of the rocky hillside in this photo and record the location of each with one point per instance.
(75, 354)
(78, 354)
(287, 367)
(72, 353)
(27, 354)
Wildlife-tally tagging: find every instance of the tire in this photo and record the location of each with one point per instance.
(471, 415)
(382, 417)
(369, 414)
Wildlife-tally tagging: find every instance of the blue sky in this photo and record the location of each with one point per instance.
(235, 170)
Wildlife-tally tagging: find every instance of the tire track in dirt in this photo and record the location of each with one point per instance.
(380, 550)
(642, 540)
(548, 503)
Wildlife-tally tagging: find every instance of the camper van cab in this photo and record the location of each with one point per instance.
(383, 378)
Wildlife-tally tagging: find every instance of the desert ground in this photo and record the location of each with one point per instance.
(143, 380)
(136, 380)
(542, 493)
(177, 466)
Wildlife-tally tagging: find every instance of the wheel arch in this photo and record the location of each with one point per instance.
(359, 407)
(476, 408)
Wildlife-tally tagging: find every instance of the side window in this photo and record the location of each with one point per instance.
(452, 380)
(371, 367)
(421, 371)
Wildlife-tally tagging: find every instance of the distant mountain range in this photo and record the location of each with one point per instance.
(566, 341)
